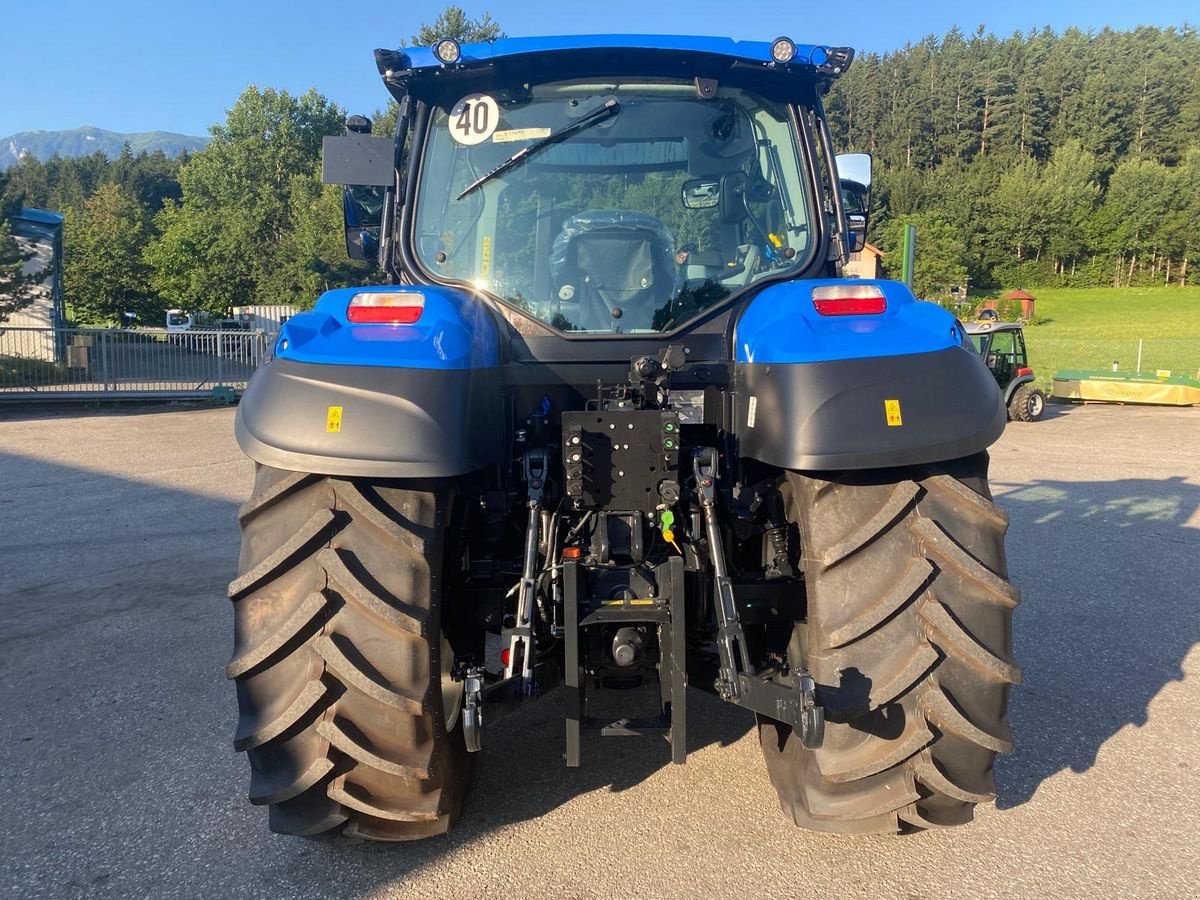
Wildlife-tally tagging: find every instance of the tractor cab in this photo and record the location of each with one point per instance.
(1001, 345)
(599, 195)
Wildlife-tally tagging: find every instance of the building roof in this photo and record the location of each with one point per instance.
(1018, 295)
(41, 216)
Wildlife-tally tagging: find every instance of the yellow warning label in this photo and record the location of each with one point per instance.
(630, 602)
(485, 257)
(891, 409)
(333, 419)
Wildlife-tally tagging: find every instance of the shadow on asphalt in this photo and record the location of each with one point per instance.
(121, 582)
(1110, 573)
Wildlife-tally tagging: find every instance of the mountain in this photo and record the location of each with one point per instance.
(87, 140)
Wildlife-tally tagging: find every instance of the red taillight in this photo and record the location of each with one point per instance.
(391, 308)
(849, 300)
(1024, 371)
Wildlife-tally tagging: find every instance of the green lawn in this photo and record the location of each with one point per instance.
(1090, 328)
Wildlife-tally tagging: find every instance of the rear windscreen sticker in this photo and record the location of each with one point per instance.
(474, 118)
(519, 134)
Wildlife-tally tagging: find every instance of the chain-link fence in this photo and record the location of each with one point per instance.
(1047, 355)
(70, 363)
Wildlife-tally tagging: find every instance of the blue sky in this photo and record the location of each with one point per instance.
(133, 65)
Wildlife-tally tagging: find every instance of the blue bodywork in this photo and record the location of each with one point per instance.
(454, 332)
(809, 55)
(436, 398)
(781, 325)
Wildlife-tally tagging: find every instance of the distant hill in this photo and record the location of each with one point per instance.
(87, 140)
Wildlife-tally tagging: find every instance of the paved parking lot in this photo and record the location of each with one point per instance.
(120, 780)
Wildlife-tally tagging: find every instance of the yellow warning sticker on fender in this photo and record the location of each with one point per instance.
(891, 410)
(333, 419)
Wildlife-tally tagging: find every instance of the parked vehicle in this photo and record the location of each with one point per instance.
(179, 321)
(616, 423)
(1002, 347)
(268, 318)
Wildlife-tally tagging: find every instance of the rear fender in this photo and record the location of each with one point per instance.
(1013, 385)
(898, 388)
(389, 401)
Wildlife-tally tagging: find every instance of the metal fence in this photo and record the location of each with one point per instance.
(1047, 355)
(119, 363)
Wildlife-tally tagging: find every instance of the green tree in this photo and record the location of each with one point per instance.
(453, 22)
(1135, 211)
(103, 272)
(1183, 228)
(940, 263)
(29, 183)
(1071, 193)
(312, 257)
(1017, 141)
(224, 243)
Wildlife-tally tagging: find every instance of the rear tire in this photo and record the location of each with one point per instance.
(909, 638)
(346, 709)
(1027, 404)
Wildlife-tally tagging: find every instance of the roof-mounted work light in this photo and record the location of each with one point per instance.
(783, 50)
(447, 51)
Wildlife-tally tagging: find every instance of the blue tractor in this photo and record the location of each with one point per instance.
(615, 424)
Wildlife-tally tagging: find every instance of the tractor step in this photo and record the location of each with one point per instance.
(666, 613)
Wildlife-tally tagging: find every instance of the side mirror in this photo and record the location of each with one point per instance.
(858, 231)
(854, 174)
(365, 165)
(362, 212)
(701, 194)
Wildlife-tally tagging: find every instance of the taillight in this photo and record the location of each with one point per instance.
(849, 299)
(391, 308)
(1024, 371)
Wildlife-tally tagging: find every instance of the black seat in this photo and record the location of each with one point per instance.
(612, 269)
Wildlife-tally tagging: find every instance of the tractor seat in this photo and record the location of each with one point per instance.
(612, 269)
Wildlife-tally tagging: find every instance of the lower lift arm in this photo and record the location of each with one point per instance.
(788, 696)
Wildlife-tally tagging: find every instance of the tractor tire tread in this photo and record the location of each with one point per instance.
(337, 657)
(908, 636)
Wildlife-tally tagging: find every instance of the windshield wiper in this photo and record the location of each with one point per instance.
(610, 108)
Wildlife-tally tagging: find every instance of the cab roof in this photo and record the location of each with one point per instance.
(987, 326)
(829, 62)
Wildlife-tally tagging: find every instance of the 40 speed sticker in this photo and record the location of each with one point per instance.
(474, 118)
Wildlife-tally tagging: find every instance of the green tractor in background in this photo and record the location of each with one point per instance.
(1002, 346)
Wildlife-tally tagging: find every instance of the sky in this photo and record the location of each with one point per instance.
(132, 65)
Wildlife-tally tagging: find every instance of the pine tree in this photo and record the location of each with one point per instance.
(452, 22)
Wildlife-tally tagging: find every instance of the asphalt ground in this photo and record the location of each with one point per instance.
(119, 779)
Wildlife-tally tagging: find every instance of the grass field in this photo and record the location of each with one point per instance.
(1090, 328)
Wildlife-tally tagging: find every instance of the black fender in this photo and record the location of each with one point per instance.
(377, 421)
(867, 413)
(1013, 385)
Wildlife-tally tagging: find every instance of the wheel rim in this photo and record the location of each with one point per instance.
(1035, 404)
(452, 689)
